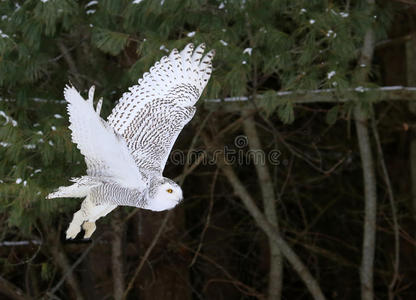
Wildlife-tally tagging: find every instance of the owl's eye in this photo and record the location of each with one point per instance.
(170, 191)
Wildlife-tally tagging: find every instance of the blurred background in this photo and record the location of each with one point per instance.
(328, 209)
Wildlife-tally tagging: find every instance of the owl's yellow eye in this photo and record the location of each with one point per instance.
(170, 191)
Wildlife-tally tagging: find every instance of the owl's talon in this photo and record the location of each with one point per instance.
(72, 231)
(70, 235)
(89, 228)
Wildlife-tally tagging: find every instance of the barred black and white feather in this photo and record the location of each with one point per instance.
(152, 114)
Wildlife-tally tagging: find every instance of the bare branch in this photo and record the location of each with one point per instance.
(10, 290)
(117, 263)
(370, 191)
(62, 260)
(70, 61)
(270, 230)
(238, 284)
(211, 204)
(147, 253)
(396, 227)
(385, 93)
(269, 206)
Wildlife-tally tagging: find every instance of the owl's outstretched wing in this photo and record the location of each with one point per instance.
(106, 153)
(152, 114)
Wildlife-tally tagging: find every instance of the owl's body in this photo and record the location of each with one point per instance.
(126, 155)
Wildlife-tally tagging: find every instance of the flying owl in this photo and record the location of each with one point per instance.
(126, 154)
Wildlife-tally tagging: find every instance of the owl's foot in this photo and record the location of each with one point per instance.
(72, 230)
(75, 226)
(89, 228)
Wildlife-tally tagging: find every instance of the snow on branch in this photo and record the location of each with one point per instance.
(385, 93)
(19, 243)
(8, 119)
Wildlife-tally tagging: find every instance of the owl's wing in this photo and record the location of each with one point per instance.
(105, 152)
(152, 114)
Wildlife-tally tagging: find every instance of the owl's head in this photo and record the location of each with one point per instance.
(163, 194)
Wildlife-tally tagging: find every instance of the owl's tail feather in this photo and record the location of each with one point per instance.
(72, 191)
(79, 189)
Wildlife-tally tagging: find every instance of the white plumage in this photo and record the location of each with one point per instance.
(126, 155)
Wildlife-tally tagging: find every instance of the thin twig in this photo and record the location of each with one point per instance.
(236, 285)
(74, 265)
(211, 204)
(147, 253)
(247, 289)
(62, 261)
(12, 291)
(396, 226)
(270, 230)
(189, 169)
(117, 262)
(31, 242)
(69, 50)
(70, 61)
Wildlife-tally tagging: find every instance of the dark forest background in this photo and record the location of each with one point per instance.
(313, 87)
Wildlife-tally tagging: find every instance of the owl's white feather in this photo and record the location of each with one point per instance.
(126, 155)
(106, 154)
(152, 114)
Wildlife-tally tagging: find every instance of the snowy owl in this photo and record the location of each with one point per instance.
(126, 154)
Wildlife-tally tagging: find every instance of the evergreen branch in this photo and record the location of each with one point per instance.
(384, 93)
